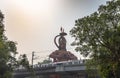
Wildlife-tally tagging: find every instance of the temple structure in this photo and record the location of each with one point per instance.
(61, 54)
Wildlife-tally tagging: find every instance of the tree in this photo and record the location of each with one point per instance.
(7, 53)
(48, 60)
(98, 36)
(23, 61)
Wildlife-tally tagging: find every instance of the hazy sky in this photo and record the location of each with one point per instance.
(33, 24)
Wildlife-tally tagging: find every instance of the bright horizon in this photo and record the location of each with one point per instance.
(33, 24)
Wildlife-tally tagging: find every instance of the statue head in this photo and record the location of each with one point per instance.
(62, 32)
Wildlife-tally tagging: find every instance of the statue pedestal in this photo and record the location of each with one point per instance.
(61, 55)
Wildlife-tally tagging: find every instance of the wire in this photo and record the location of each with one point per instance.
(44, 51)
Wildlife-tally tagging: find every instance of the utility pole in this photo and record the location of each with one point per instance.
(32, 58)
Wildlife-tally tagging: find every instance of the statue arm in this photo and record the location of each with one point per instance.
(56, 42)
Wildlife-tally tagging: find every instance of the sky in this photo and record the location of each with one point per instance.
(33, 24)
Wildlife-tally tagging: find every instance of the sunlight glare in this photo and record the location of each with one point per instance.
(34, 5)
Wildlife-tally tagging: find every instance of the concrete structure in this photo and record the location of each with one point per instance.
(65, 69)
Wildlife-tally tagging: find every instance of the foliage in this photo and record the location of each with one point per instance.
(7, 52)
(45, 61)
(23, 61)
(98, 36)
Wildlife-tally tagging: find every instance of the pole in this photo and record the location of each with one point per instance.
(32, 57)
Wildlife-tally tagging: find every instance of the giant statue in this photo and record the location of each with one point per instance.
(61, 54)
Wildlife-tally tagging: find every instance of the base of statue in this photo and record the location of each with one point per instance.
(61, 55)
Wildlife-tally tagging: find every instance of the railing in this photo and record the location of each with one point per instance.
(56, 67)
(54, 64)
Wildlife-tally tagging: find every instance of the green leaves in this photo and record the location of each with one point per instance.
(7, 53)
(98, 36)
(23, 60)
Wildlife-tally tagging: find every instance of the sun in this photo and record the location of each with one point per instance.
(32, 5)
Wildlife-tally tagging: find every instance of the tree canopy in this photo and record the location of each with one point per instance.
(23, 61)
(98, 36)
(45, 61)
(7, 52)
